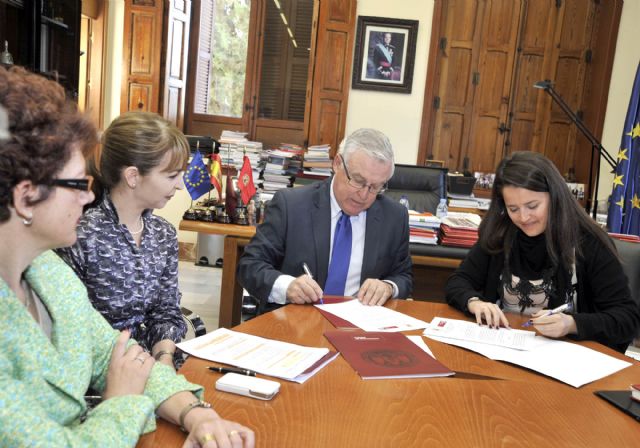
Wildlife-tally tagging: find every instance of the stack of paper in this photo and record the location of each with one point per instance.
(459, 229)
(280, 359)
(423, 228)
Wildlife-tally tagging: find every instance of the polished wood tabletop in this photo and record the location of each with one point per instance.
(486, 404)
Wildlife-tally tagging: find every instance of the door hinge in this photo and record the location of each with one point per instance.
(475, 80)
(443, 43)
(436, 102)
(558, 4)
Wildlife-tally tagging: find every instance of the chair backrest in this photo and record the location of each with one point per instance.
(630, 255)
(423, 186)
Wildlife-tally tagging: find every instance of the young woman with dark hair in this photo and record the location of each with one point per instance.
(537, 250)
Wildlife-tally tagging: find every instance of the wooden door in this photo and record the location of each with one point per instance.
(142, 56)
(177, 22)
(480, 103)
(331, 76)
(492, 84)
(456, 64)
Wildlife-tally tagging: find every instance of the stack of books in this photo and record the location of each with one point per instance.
(317, 161)
(459, 229)
(280, 167)
(423, 228)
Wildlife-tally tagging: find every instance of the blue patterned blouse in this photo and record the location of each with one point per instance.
(132, 287)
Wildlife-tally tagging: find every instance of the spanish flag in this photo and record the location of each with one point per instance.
(216, 173)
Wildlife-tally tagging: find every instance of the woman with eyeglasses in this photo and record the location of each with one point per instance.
(55, 345)
(126, 256)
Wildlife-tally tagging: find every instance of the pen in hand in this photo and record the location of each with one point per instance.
(560, 309)
(232, 370)
(308, 272)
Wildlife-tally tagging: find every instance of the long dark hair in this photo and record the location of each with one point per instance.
(567, 221)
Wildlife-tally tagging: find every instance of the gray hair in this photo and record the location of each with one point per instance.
(372, 142)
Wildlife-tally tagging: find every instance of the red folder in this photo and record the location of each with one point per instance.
(380, 355)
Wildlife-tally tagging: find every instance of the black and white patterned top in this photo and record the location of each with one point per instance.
(132, 287)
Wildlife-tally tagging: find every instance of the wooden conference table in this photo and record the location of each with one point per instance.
(486, 404)
(236, 237)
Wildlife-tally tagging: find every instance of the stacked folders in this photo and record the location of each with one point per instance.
(423, 228)
(459, 229)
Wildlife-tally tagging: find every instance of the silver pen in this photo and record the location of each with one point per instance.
(308, 272)
(306, 269)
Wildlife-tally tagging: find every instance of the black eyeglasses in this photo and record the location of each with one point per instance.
(359, 185)
(82, 184)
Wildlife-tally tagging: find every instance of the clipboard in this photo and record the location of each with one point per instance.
(622, 400)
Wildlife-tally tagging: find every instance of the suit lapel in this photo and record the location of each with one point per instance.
(321, 225)
(371, 236)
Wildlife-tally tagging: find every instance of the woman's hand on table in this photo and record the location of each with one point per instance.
(487, 311)
(208, 430)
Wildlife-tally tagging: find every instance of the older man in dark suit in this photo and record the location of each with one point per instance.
(354, 240)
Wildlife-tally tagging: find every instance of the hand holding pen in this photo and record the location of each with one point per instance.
(304, 289)
(554, 323)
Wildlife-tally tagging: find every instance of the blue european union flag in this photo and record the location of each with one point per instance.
(624, 209)
(196, 178)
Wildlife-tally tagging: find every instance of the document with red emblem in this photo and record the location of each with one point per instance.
(380, 355)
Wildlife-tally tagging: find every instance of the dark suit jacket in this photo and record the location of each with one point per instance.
(297, 229)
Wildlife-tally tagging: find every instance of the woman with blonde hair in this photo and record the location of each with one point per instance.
(126, 256)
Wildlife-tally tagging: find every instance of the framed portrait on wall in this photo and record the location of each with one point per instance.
(385, 54)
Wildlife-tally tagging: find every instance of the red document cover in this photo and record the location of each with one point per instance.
(380, 355)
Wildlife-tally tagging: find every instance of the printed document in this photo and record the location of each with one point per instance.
(570, 363)
(267, 356)
(373, 318)
(471, 331)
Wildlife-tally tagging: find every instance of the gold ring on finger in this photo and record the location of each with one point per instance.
(233, 433)
(140, 359)
(207, 437)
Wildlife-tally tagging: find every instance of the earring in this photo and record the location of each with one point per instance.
(133, 185)
(27, 221)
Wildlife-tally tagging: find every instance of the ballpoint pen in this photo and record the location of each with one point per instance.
(232, 370)
(308, 272)
(560, 309)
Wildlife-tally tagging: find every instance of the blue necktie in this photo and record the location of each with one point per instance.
(340, 257)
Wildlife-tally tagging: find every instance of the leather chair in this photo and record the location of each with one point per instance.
(629, 253)
(423, 186)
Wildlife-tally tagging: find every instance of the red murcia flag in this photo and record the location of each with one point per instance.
(245, 181)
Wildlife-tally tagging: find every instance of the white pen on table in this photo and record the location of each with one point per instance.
(308, 272)
(560, 309)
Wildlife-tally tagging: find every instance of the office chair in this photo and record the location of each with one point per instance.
(195, 325)
(423, 186)
(629, 253)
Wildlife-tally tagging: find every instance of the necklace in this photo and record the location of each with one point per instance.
(132, 232)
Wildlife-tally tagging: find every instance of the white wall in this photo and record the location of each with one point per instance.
(396, 114)
(623, 74)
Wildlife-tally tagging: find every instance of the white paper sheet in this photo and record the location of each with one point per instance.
(471, 331)
(266, 356)
(373, 318)
(570, 363)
